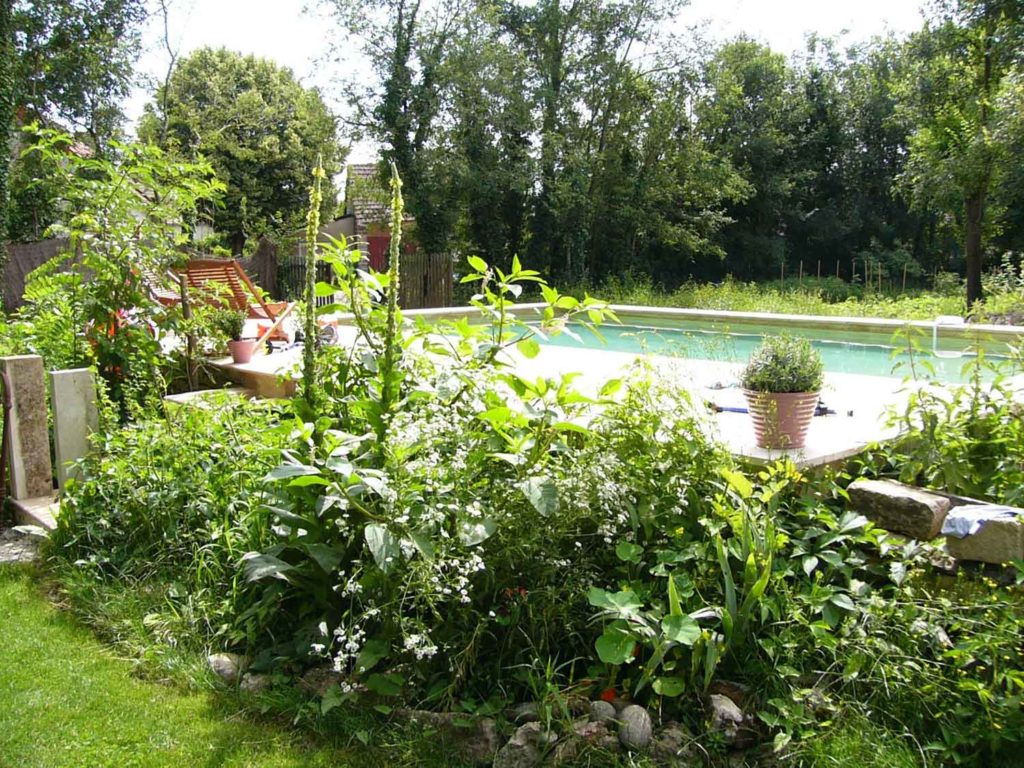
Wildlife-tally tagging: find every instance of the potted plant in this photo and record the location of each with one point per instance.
(231, 323)
(782, 382)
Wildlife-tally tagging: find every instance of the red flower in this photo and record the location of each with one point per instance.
(608, 694)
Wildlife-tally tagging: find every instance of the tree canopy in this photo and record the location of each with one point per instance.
(259, 128)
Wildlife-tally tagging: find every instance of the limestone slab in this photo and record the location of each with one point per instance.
(899, 508)
(997, 541)
(75, 417)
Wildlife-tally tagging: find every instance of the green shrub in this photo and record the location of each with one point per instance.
(784, 364)
(176, 498)
(229, 322)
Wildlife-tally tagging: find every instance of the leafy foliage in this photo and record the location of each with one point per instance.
(125, 221)
(784, 364)
(179, 496)
(259, 129)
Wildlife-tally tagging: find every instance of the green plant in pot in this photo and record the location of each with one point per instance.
(782, 382)
(231, 323)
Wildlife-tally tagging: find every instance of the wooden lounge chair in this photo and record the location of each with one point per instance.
(223, 283)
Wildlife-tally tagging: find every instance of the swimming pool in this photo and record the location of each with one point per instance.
(842, 351)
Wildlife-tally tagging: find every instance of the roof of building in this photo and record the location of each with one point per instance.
(367, 198)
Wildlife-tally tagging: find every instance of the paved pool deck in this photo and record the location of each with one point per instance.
(861, 403)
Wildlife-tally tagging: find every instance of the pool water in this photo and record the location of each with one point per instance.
(868, 354)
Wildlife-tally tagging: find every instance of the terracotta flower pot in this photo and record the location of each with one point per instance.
(242, 351)
(781, 419)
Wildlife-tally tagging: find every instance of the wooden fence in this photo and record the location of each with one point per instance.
(426, 279)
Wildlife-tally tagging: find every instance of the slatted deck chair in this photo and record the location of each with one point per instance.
(223, 283)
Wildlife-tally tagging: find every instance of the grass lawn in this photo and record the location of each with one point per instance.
(65, 700)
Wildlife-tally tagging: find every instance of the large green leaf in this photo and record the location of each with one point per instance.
(680, 629)
(473, 532)
(384, 546)
(541, 493)
(373, 651)
(669, 686)
(628, 552)
(259, 566)
(615, 645)
(385, 685)
(624, 604)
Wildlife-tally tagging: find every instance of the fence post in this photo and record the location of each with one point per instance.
(28, 446)
(75, 417)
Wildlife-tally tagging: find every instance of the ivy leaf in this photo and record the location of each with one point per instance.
(384, 546)
(473, 532)
(541, 493)
(680, 629)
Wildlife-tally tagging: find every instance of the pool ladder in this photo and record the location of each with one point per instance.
(946, 321)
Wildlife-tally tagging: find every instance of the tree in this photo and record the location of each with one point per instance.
(72, 67)
(962, 60)
(7, 88)
(751, 113)
(259, 128)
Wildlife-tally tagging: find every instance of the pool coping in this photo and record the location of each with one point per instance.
(839, 322)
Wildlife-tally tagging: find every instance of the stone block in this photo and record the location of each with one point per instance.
(997, 541)
(899, 508)
(28, 453)
(75, 417)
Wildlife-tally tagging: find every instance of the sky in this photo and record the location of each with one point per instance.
(287, 32)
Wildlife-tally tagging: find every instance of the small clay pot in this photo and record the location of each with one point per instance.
(781, 419)
(242, 351)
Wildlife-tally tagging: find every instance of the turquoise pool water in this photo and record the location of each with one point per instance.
(868, 354)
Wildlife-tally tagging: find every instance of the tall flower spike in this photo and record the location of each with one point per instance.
(309, 378)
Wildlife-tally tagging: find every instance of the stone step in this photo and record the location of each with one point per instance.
(41, 511)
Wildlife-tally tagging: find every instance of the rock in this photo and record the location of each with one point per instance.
(635, 728)
(585, 735)
(254, 683)
(899, 508)
(473, 740)
(318, 680)
(526, 748)
(735, 691)
(728, 719)
(672, 745)
(997, 541)
(17, 546)
(619, 703)
(527, 712)
(602, 711)
(227, 666)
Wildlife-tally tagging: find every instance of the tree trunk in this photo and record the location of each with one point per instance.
(972, 246)
(6, 118)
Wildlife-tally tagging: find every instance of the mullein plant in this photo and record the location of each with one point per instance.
(309, 352)
(390, 376)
